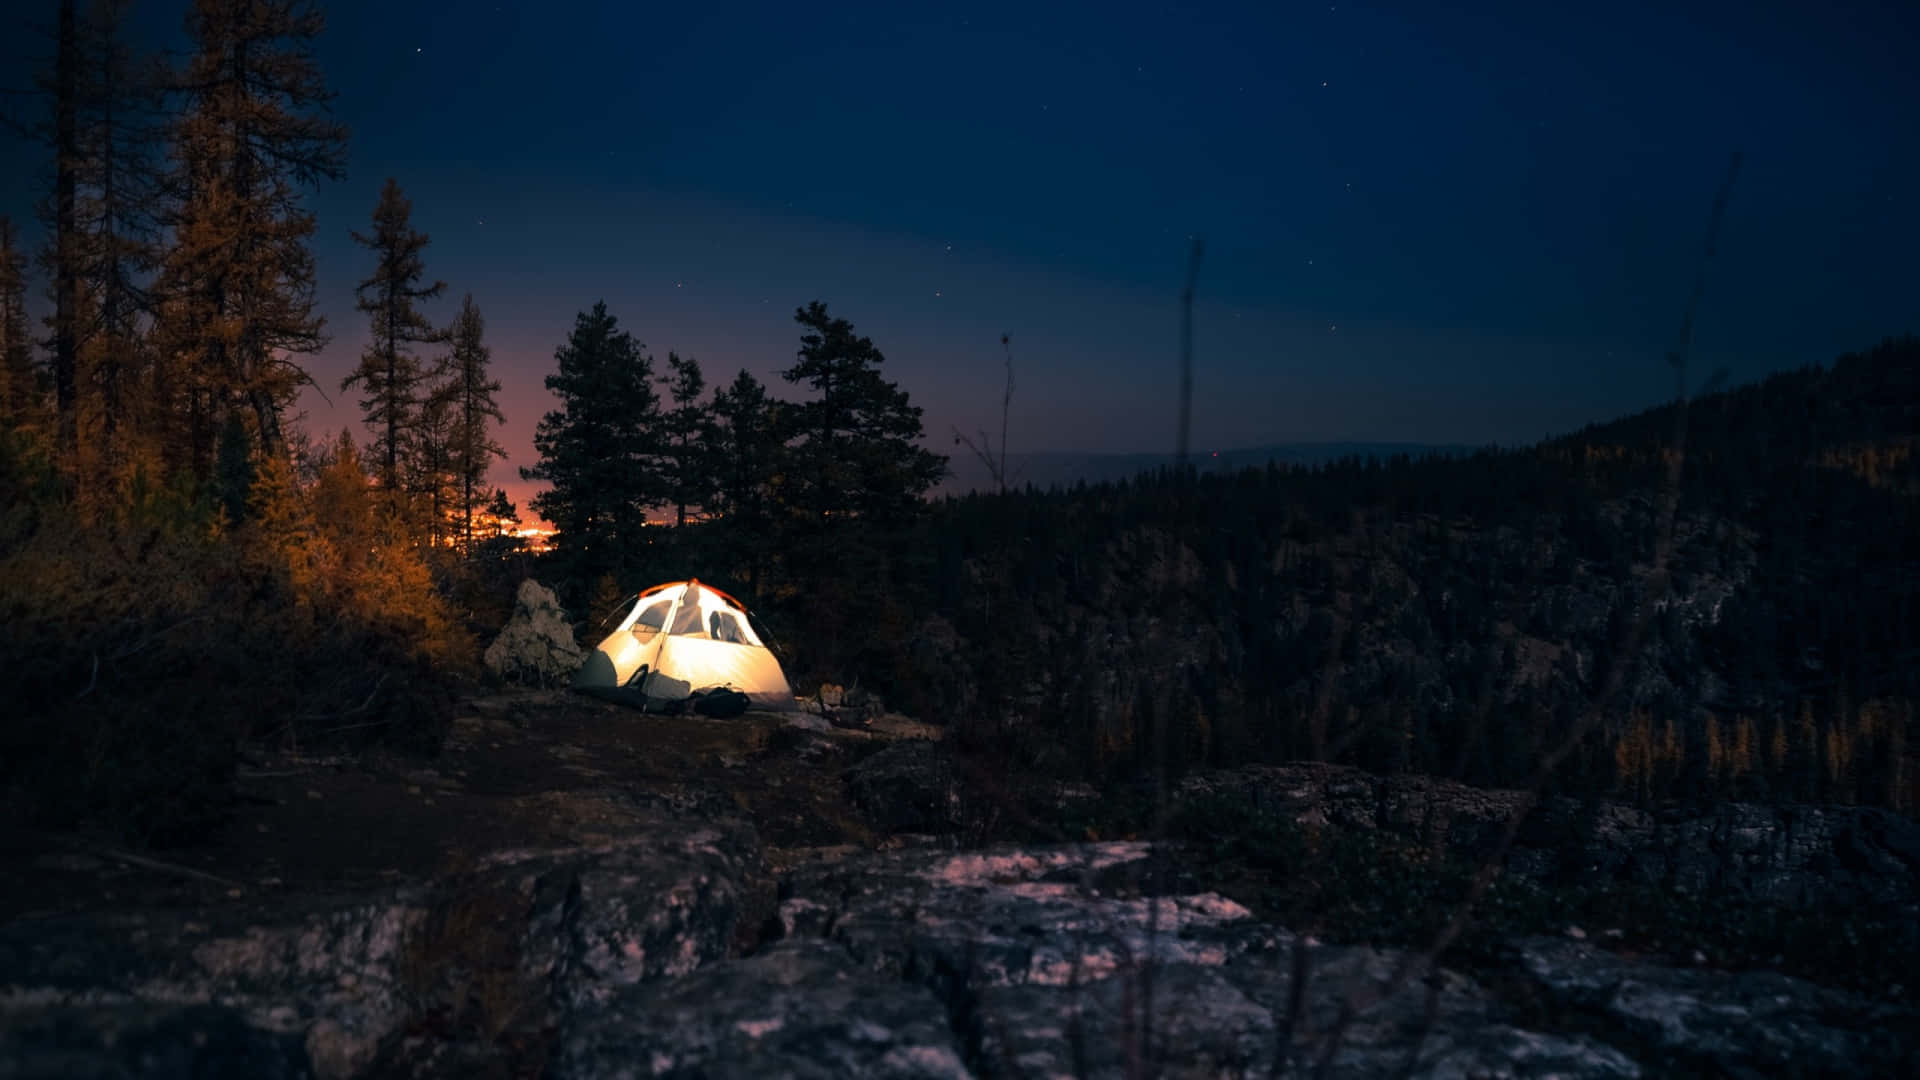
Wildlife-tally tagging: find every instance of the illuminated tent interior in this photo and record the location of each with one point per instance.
(681, 638)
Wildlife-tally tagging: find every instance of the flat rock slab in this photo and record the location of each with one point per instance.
(525, 936)
(1735, 1023)
(1051, 966)
(667, 953)
(798, 1010)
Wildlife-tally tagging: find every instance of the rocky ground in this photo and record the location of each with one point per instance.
(574, 890)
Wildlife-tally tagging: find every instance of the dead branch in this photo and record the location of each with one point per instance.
(146, 863)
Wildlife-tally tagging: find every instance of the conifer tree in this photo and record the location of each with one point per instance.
(746, 449)
(18, 381)
(234, 471)
(501, 509)
(472, 447)
(856, 452)
(282, 529)
(343, 507)
(429, 471)
(118, 192)
(390, 372)
(238, 280)
(62, 214)
(101, 151)
(688, 428)
(599, 449)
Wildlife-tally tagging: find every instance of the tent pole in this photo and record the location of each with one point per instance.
(660, 639)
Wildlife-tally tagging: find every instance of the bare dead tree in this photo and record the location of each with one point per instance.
(1186, 353)
(996, 466)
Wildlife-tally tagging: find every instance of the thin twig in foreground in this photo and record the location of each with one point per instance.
(1413, 965)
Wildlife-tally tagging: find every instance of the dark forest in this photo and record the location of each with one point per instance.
(1398, 764)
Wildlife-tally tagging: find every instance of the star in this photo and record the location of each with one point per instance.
(416, 49)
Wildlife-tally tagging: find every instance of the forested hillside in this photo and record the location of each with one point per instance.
(1456, 615)
(185, 567)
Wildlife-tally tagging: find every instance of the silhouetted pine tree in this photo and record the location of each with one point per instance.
(746, 452)
(855, 449)
(119, 194)
(238, 281)
(390, 372)
(430, 480)
(472, 448)
(599, 449)
(688, 428)
(19, 383)
(61, 212)
(502, 508)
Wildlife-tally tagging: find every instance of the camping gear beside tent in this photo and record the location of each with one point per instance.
(721, 704)
(680, 638)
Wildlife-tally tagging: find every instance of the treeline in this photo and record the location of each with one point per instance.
(184, 566)
(1459, 616)
(181, 281)
(805, 504)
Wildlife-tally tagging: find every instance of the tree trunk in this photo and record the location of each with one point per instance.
(66, 278)
(268, 415)
(109, 236)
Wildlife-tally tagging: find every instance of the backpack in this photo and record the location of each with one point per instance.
(723, 703)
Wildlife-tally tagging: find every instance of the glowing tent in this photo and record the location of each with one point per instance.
(680, 638)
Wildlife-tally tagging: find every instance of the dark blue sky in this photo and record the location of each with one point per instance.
(1424, 222)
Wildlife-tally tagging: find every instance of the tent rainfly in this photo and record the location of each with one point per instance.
(683, 637)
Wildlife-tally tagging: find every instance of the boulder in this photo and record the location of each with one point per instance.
(536, 646)
(1703, 1022)
(912, 786)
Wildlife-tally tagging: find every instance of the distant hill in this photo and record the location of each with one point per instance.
(1063, 469)
(1463, 613)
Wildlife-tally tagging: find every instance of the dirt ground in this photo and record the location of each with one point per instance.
(519, 770)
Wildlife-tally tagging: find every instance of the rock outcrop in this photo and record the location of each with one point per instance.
(1794, 855)
(536, 646)
(1049, 964)
(670, 953)
(912, 786)
(1722, 1023)
(332, 987)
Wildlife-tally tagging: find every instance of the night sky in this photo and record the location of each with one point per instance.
(1420, 225)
